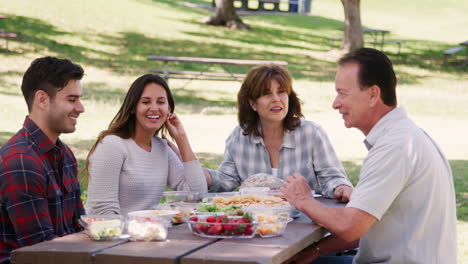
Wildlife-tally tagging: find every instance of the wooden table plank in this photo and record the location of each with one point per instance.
(179, 241)
(76, 248)
(298, 235)
(258, 250)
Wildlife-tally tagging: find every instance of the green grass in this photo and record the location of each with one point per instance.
(112, 40)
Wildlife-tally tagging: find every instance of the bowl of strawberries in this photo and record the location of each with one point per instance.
(223, 226)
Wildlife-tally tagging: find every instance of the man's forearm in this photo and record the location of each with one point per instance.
(335, 220)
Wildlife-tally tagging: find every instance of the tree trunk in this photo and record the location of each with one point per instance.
(225, 15)
(353, 39)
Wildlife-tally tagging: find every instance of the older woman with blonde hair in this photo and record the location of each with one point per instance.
(272, 137)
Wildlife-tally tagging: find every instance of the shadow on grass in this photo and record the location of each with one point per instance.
(100, 92)
(5, 136)
(185, 100)
(297, 39)
(7, 87)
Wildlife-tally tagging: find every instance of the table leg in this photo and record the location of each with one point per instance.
(166, 71)
(383, 41)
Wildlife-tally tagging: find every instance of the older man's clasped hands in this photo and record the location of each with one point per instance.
(296, 191)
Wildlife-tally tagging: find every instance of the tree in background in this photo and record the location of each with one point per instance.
(353, 39)
(225, 15)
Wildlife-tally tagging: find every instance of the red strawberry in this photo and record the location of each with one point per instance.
(198, 228)
(222, 219)
(242, 220)
(248, 231)
(211, 219)
(229, 226)
(194, 218)
(215, 229)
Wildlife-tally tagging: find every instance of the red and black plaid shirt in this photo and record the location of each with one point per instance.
(39, 190)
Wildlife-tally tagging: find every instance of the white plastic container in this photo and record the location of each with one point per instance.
(144, 226)
(103, 227)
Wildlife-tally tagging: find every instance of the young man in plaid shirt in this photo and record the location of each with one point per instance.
(39, 188)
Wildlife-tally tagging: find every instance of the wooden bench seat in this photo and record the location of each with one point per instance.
(202, 75)
(399, 43)
(451, 52)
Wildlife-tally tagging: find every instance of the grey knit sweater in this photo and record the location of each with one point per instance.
(125, 178)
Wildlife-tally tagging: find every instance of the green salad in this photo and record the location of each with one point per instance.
(213, 208)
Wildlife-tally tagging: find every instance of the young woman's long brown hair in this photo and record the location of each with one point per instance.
(124, 122)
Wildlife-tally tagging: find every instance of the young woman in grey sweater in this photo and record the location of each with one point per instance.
(131, 162)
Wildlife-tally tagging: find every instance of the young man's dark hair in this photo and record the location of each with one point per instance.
(39, 188)
(375, 68)
(50, 75)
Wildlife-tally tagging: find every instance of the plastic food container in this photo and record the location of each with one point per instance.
(167, 215)
(255, 190)
(144, 226)
(280, 211)
(185, 209)
(263, 180)
(181, 196)
(271, 226)
(209, 196)
(197, 213)
(103, 227)
(213, 209)
(222, 226)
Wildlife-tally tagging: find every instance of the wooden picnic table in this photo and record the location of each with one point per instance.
(378, 35)
(6, 35)
(201, 75)
(181, 246)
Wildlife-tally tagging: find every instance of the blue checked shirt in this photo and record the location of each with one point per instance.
(306, 150)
